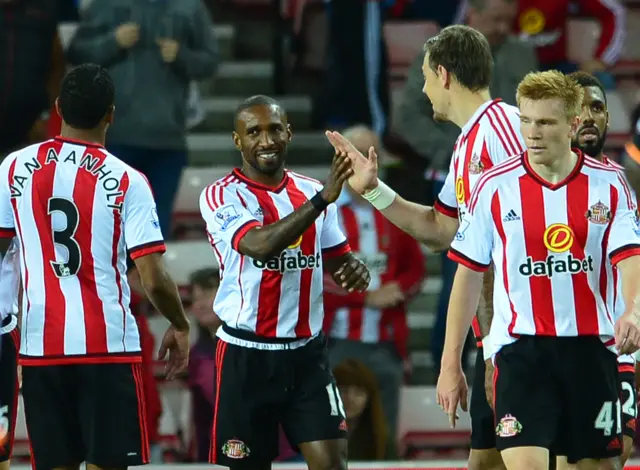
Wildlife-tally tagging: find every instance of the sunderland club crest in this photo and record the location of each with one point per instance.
(475, 165)
(598, 214)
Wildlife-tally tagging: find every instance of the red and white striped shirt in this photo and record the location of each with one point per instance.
(550, 245)
(76, 210)
(391, 255)
(491, 136)
(625, 359)
(280, 298)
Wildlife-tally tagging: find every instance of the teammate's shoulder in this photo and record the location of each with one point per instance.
(603, 169)
(509, 109)
(505, 169)
(497, 112)
(613, 164)
(215, 191)
(304, 180)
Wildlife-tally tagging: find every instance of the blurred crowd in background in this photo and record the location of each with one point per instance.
(360, 62)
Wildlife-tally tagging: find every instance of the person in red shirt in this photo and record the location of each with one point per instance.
(544, 24)
(372, 326)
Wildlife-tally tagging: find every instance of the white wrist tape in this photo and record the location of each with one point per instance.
(486, 348)
(381, 196)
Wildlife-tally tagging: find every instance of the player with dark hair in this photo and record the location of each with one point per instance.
(590, 137)
(77, 211)
(273, 233)
(457, 71)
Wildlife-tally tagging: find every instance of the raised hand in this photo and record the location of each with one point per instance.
(341, 170)
(365, 169)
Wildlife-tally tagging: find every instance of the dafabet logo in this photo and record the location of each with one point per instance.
(558, 239)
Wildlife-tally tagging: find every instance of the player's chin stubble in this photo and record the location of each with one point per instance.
(439, 117)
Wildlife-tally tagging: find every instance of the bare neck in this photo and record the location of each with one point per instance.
(464, 104)
(96, 136)
(262, 178)
(557, 169)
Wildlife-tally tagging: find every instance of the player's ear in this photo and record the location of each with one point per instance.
(110, 113)
(57, 105)
(236, 141)
(289, 133)
(444, 76)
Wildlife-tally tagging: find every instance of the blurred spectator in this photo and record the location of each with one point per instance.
(152, 49)
(631, 155)
(357, 87)
(544, 24)
(204, 286)
(372, 326)
(434, 140)
(31, 69)
(368, 431)
(147, 344)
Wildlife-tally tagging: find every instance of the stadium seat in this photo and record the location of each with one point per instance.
(619, 113)
(404, 42)
(195, 179)
(422, 423)
(631, 51)
(184, 257)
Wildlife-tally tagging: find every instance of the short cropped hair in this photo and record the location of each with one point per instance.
(256, 100)
(465, 53)
(549, 85)
(87, 93)
(585, 79)
(206, 278)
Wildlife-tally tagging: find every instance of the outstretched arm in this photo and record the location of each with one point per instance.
(424, 223)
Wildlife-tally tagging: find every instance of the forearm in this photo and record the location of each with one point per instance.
(463, 303)
(262, 243)
(630, 271)
(485, 307)
(164, 296)
(424, 223)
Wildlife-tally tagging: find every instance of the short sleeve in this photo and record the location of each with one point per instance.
(142, 233)
(624, 235)
(473, 243)
(446, 203)
(7, 223)
(226, 216)
(333, 242)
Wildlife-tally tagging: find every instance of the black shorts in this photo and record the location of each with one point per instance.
(483, 424)
(91, 413)
(561, 394)
(256, 390)
(628, 400)
(9, 344)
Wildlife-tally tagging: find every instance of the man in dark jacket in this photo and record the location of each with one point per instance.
(152, 49)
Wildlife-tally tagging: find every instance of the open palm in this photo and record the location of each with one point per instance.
(365, 170)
